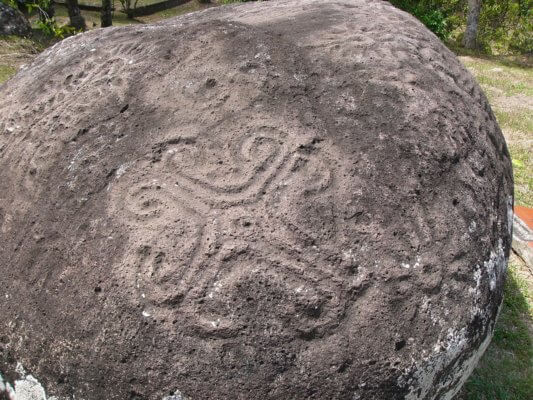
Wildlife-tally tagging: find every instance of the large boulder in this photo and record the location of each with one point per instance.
(13, 22)
(283, 200)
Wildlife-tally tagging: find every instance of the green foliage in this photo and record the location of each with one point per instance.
(435, 21)
(51, 28)
(10, 3)
(438, 15)
(506, 25)
(41, 6)
(47, 24)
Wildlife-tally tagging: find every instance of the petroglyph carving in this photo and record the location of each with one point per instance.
(202, 205)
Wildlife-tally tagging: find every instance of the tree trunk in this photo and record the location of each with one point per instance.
(76, 20)
(472, 21)
(105, 17)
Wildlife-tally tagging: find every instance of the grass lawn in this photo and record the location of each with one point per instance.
(506, 370)
(508, 85)
(15, 51)
(6, 71)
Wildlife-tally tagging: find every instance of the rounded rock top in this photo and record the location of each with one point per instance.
(277, 200)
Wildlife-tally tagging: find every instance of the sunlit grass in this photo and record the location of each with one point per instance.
(509, 79)
(523, 175)
(15, 51)
(6, 71)
(509, 87)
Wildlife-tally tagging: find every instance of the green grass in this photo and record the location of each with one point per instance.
(6, 71)
(508, 83)
(523, 176)
(15, 51)
(519, 120)
(516, 80)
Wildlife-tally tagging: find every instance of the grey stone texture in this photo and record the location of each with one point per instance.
(278, 200)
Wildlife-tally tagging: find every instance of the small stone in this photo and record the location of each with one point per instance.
(13, 22)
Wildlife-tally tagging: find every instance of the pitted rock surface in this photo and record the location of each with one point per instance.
(280, 200)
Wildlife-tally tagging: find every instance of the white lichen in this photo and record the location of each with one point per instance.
(176, 396)
(496, 265)
(349, 255)
(445, 354)
(415, 265)
(510, 214)
(27, 387)
(444, 370)
(122, 170)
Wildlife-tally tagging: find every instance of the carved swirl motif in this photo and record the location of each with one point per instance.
(198, 221)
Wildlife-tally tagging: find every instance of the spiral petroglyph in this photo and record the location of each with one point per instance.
(201, 207)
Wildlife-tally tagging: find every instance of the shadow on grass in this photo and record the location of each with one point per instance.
(510, 60)
(506, 370)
